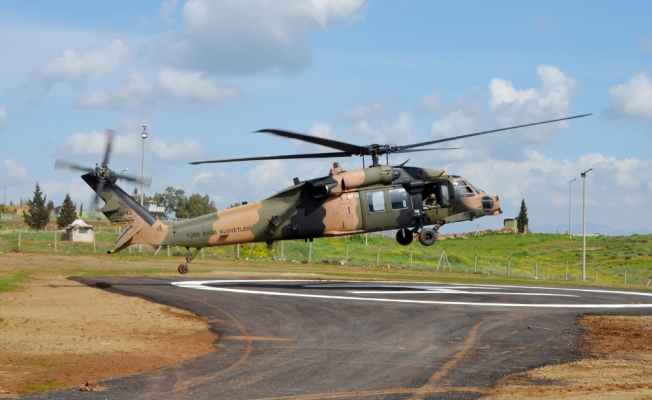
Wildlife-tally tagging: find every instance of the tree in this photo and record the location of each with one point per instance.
(67, 213)
(173, 200)
(198, 205)
(522, 219)
(37, 215)
(50, 208)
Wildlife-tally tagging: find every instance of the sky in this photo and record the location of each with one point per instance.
(203, 75)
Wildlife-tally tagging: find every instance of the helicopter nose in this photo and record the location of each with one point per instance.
(491, 205)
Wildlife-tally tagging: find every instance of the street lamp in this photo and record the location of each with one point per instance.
(584, 223)
(569, 208)
(126, 169)
(142, 174)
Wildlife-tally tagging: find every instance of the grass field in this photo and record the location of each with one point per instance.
(535, 256)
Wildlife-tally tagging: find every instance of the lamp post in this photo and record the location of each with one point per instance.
(144, 136)
(121, 172)
(569, 209)
(584, 224)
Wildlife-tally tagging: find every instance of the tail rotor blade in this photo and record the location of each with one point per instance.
(59, 164)
(110, 135)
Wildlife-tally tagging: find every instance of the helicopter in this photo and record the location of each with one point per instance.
(414, 201)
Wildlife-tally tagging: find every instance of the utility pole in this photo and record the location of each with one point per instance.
(142, 175)
(569, 209)
(584, 224)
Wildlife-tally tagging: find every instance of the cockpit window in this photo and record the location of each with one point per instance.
(478, 191)
(462, 189)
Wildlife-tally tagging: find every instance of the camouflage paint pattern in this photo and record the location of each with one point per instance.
(334, 205)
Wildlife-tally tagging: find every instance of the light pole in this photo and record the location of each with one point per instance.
(584, 224)
(569, 209)
(126, 169)
(142, 174)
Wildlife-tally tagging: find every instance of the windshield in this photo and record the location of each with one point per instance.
(478, 191)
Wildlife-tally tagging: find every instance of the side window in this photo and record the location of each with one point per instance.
(445, 196)
(398, 198)
(376, 201)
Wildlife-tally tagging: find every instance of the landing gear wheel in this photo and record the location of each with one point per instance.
(427, 237)
(404, 236)
(183, 269)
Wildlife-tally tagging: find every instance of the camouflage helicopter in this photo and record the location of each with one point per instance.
(415, 201)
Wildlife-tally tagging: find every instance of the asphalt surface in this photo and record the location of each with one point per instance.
(372, 340)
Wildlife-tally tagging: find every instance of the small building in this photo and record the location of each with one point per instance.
(510, 223)
(154, 209)
(79, 231)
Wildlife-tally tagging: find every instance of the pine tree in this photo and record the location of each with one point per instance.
(67, 213)
(522, 219)
(37, 215)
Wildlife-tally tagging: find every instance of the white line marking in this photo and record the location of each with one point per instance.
(201, 285)
(457, 292)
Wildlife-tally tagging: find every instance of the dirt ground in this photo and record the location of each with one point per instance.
(58, 333)
(621, 366)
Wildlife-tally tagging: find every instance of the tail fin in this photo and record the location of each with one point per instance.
(122, 209)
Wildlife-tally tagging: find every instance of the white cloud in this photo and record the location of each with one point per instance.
(177, 151)
(544, 183)
(246, 37)
(3, 116)
(646, 44)
(168, 89)
(503, 106)
(92, 145)
(94, 64)
(631, 100)
(168, 7)
(269, 174)
(381, 107)
(15, 171)
(546, 25)
(194, 87)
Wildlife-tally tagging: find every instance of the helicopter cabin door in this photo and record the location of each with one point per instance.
(386, 208)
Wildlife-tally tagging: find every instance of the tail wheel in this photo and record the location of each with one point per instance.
(427, 237)
(183, 269)
(404, 236)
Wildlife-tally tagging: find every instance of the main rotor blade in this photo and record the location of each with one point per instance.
(417, 150)
(110, 134)
(410, 146)
(334, 144)
(146, 180)
(58, 164)
(286, 157)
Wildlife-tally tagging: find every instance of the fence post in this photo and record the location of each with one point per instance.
(129, 250)
(509, 264)
(310, 253)
(566, 270)
(377, 255)
(202, 252)
(475, 262)
(168, 246)
(346, 257)
(410, 258)
(237, 251)
(596, 274)
(536, 270)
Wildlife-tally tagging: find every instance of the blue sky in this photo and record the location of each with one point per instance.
(204, 74)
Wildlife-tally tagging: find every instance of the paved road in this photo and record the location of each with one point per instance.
(372, 340)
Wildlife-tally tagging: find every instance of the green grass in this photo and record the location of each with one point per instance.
(542, 255)
(12, 279)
